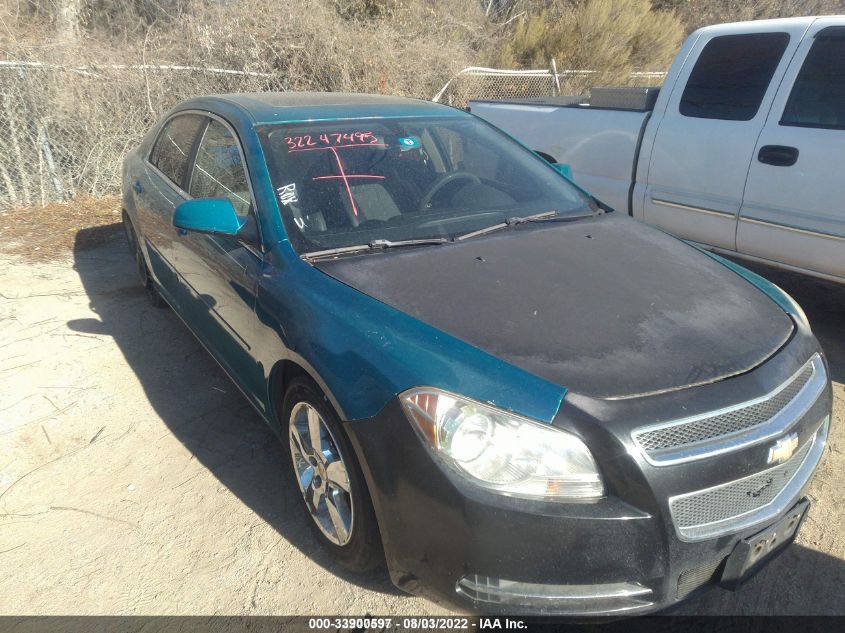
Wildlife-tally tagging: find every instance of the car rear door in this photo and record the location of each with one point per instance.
(793, 210)
(220, 271)
(703, 144)
(158, 189)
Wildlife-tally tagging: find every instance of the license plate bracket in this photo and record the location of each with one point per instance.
(752, 553)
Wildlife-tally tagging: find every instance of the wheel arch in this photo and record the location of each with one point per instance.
(134, 237)
(128, 227)
(281, 375)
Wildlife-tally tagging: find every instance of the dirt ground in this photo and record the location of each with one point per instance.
(134, 478)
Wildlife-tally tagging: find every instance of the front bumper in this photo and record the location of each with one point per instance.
(472, 549)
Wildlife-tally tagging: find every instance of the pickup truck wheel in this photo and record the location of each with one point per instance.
(327, 474)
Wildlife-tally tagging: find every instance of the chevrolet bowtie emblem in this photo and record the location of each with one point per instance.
(783, 449)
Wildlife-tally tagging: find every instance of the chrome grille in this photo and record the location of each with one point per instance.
(725, 423)
(741, 503)
(736, 426)
(738, 497)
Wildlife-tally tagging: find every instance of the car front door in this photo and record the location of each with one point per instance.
(703, 143)
(793, 212)
(221, 272)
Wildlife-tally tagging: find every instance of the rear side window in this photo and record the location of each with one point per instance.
(219, 172)
(173, 146)
(818, 96)
(731, 76)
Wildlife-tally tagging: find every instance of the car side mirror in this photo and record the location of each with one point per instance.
(208, 215)
(563, 169)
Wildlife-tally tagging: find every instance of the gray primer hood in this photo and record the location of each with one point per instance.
(606, 307)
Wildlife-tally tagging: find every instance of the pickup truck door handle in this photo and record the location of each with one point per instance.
(778, 155)
(137, 186)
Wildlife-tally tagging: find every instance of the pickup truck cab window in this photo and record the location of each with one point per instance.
(732, 75)
(718, 157)
(172, 149)
(218, 171)
(818, 96)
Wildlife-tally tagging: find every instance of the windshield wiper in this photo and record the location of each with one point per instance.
(546, 216)
(375, 245)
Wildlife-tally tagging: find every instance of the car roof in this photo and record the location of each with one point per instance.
(278, 107)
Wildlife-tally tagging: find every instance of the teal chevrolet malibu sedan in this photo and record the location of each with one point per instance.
(516, 398)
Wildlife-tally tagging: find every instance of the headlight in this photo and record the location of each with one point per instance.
(501, 451)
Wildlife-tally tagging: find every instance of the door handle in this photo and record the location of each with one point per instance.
(137, 186)
(778, 155)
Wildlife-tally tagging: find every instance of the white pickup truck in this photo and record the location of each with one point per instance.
(742, 150)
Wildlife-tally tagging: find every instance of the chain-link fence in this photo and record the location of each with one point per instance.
(64, 131)
(492, 83)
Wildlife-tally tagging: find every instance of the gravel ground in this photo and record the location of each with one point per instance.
(134, 478)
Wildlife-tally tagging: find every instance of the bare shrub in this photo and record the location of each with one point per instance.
(64, 131)
(364, 9)
(698, 13)
(407, 48)
(612, 37)
(105, 17)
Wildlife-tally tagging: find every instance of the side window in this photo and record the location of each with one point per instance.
(173, 147)
(818, 95)
(731, 76)
(218, 172)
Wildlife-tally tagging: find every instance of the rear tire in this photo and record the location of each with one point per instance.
(326, 472)
(144, 276)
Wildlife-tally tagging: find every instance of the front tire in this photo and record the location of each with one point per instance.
(334, 492)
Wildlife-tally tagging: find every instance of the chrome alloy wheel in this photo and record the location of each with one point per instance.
(321, 473)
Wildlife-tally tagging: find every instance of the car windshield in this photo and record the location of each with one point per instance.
(356, 182)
